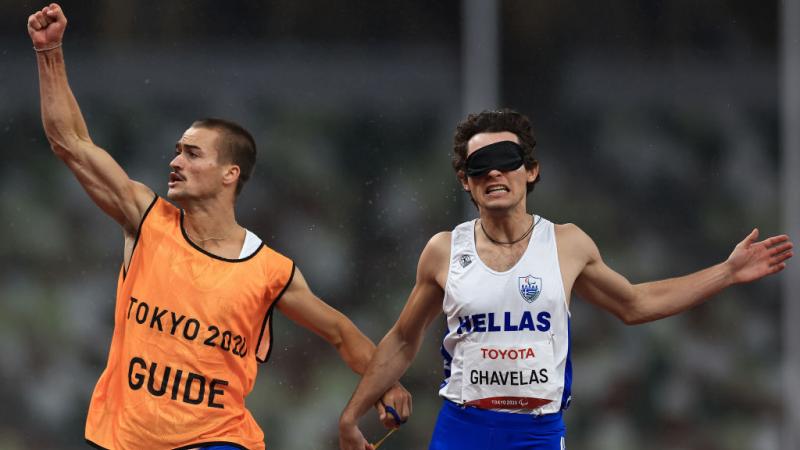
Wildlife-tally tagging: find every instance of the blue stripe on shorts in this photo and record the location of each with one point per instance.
(470, 428)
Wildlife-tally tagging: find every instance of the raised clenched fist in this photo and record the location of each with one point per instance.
(46, 27)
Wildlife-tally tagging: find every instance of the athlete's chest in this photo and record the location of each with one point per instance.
(485, 277)
(522, 288)
(501, 258)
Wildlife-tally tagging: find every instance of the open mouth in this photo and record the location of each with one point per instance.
(496, 188)
(174, 178)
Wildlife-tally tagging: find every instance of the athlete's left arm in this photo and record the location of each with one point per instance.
(304, 308)
(645, 302)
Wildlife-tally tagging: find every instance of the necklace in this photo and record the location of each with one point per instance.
(524, 235)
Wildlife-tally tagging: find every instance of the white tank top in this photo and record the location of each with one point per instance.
(507, 342)
(250, 245)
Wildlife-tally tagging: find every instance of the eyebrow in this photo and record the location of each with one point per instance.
(186, 146)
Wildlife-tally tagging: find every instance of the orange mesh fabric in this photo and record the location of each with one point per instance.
(190, 329)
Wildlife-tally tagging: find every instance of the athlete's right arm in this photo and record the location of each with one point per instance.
(400, 345)
(103, 179)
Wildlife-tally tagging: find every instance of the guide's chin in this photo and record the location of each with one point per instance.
(175, 194)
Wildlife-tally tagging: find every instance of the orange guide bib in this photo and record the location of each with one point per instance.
(189, 331)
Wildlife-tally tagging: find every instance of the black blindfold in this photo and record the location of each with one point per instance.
(503, 156)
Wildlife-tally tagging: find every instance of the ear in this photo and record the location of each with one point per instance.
(462, 178)
(231, 175)
(533, 172)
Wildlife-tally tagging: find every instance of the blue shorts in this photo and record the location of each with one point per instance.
(471, 428)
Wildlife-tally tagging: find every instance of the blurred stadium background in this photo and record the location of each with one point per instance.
(662, 130)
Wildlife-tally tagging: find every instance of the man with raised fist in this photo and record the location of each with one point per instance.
(196, 290)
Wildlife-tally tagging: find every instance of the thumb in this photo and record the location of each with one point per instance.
(751, 237)
(381, 410)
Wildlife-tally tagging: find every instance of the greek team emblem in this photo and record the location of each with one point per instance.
(530, 287)
(465, 260)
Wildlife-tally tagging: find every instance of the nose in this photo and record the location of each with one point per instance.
(176, 162)
(494, 173)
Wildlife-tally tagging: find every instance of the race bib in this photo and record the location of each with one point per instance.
(509, 377)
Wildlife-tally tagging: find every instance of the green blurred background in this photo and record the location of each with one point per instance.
(657, 124)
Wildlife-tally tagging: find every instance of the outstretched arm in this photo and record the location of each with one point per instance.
(645, 302)
(102, 178)
(401, 344)
(300, 305)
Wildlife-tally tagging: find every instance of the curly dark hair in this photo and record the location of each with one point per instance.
(493, 121)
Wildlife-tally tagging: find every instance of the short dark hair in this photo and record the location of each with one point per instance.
(236, 145)
(494, 121)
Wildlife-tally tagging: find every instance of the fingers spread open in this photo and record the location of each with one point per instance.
(776, 268)
(780, 258)
(780, 248)
(775, 240)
